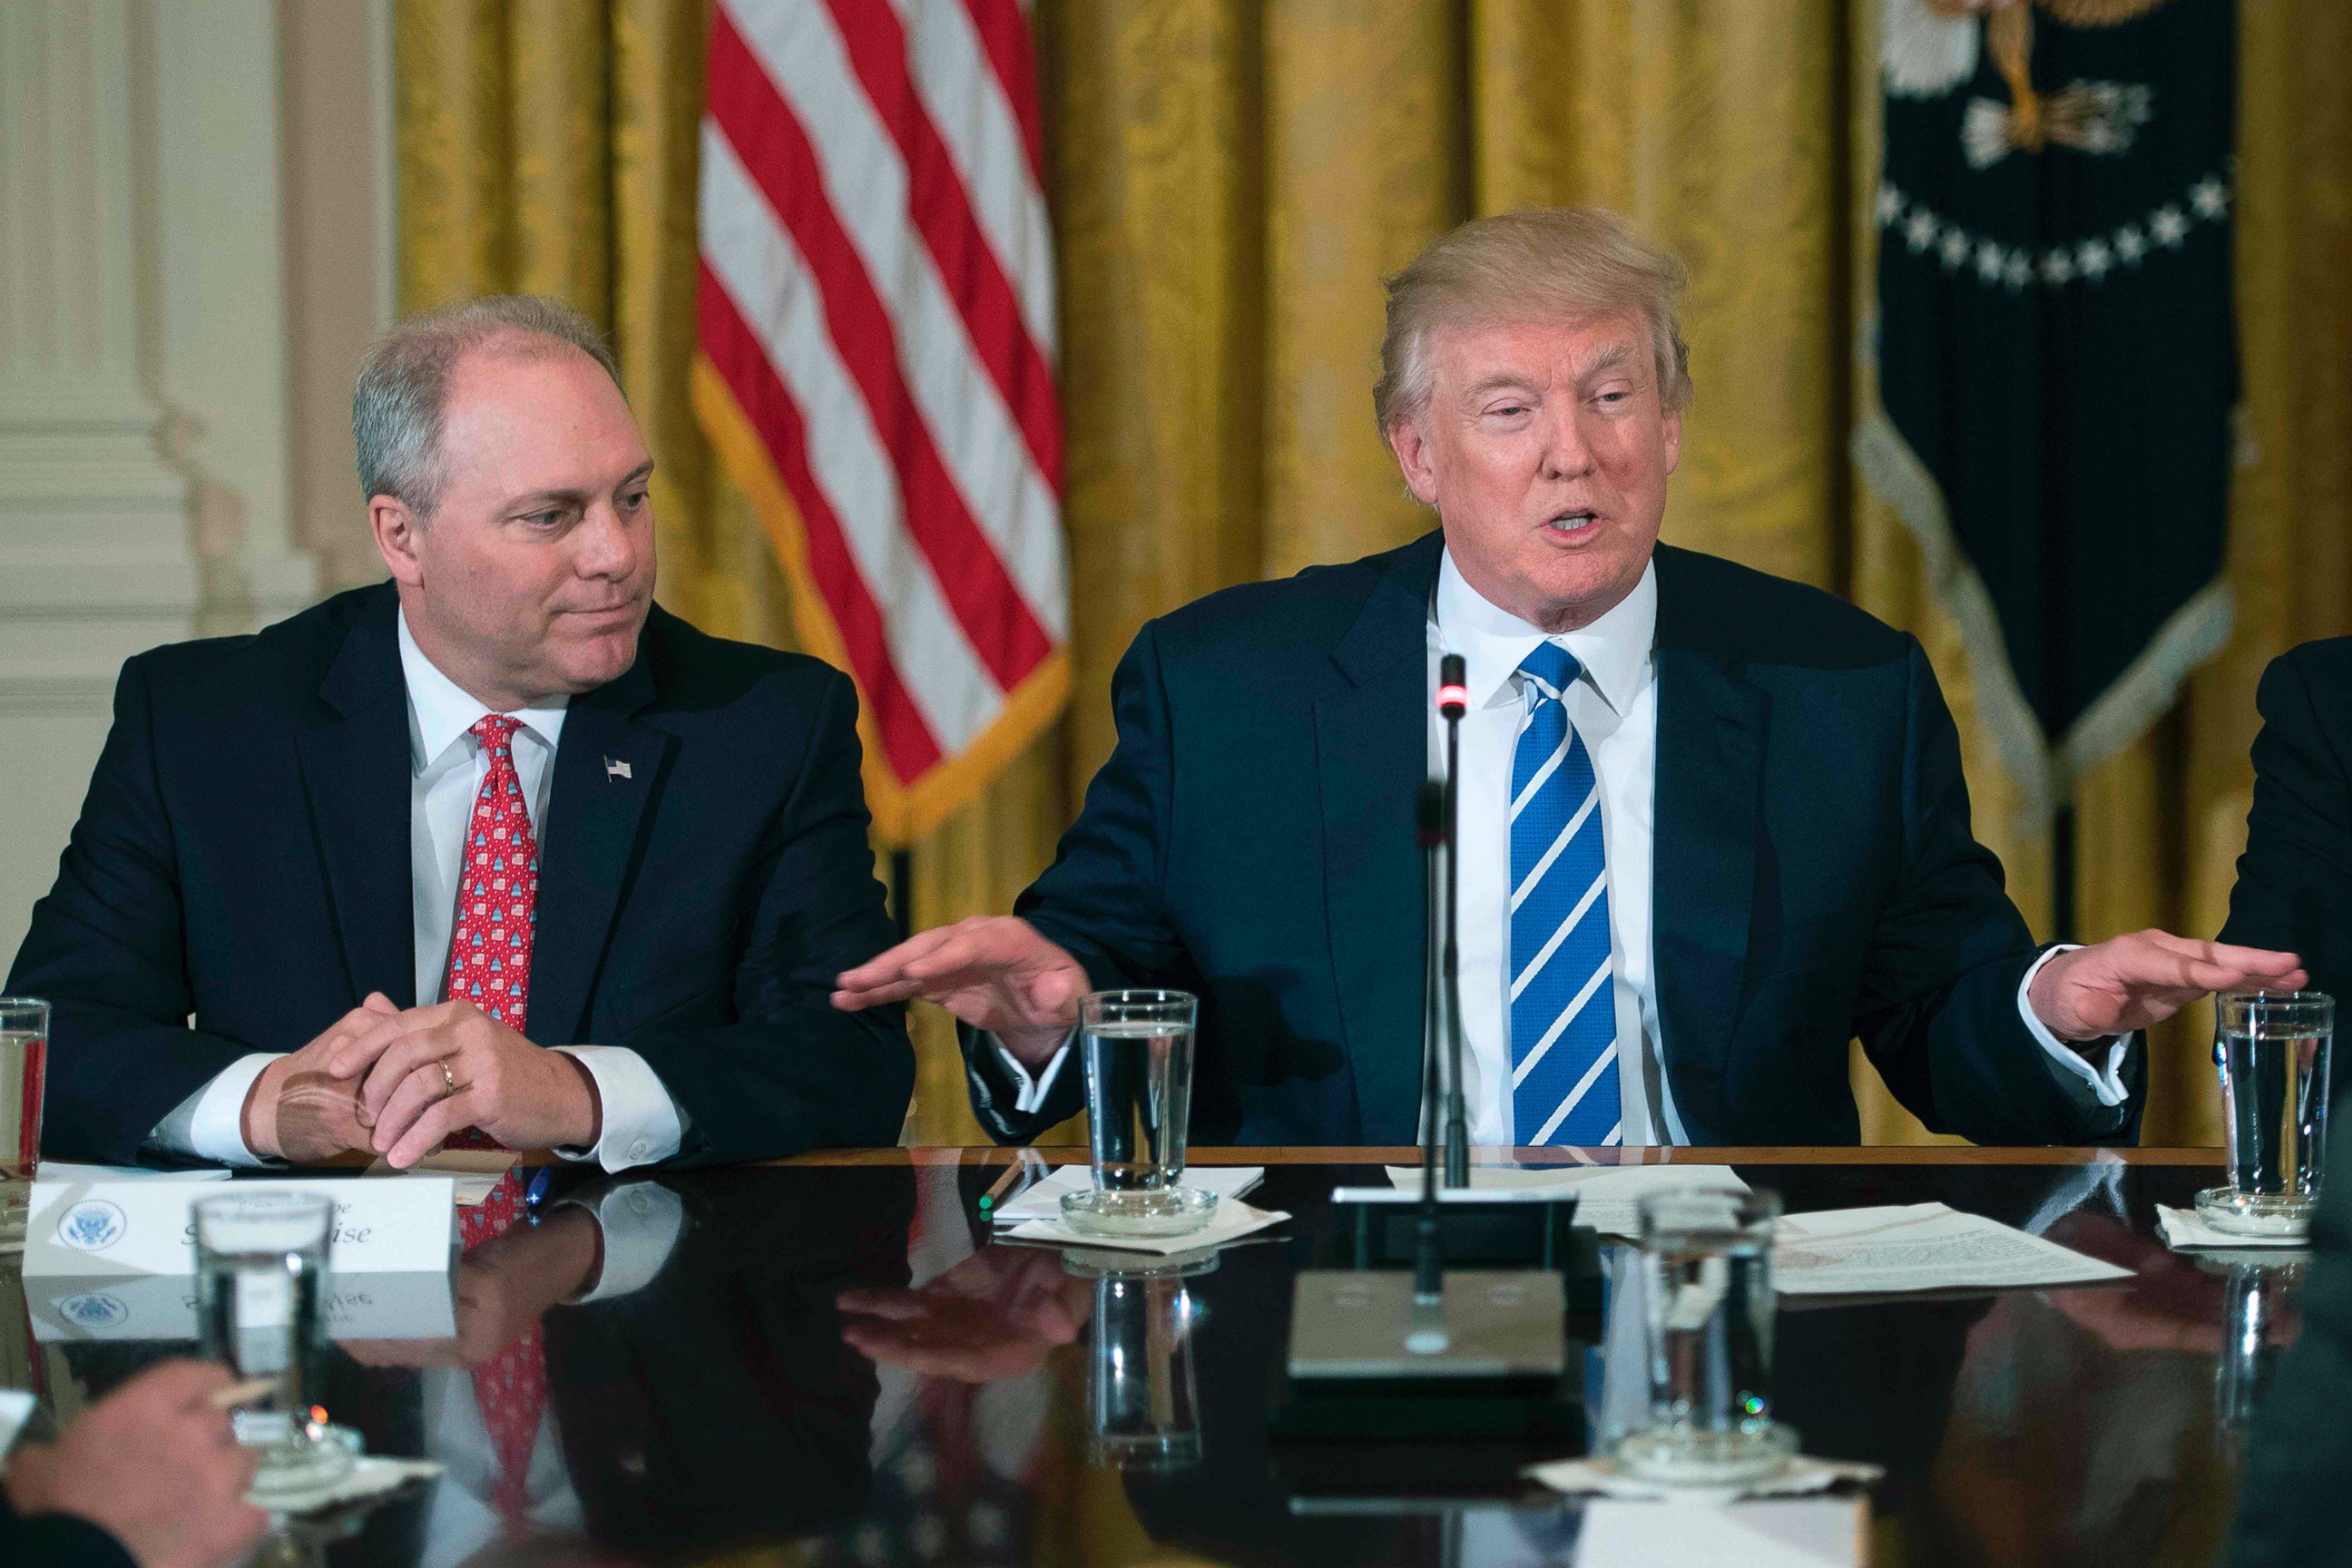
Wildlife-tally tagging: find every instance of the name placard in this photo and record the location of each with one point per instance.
(104, 1231)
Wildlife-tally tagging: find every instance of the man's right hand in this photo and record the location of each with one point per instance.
(298, 1110)
(994, 971)
(155, 1466)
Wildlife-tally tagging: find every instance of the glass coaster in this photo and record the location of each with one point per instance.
(1158, 1211)
(295, 1472)
(1699, 1456)
(2256, 1214)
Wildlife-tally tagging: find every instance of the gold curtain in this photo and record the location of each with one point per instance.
(1230, 178)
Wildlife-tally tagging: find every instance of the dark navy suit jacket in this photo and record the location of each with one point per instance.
(239, 879)
(1250, 839)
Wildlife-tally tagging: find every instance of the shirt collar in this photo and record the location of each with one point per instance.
(439, 710)
(1613, 651)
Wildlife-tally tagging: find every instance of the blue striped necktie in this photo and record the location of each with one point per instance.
(1563, 1012)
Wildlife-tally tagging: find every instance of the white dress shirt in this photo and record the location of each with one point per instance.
(1613, 705)
(641, 1123)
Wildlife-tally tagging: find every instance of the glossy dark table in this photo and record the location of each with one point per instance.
(729, 1409)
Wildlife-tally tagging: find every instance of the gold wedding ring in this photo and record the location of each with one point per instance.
(448, 1077)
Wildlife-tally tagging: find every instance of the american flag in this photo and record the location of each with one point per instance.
(875, 335)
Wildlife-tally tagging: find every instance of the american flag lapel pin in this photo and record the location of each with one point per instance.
(615, 769)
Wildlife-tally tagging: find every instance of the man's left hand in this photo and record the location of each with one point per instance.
(2127, 982)
(433, 1070)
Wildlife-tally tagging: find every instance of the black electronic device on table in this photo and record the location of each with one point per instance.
(1456, 1314)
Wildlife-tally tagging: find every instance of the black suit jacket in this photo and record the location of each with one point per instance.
(2294, 892)
(1251, 840)
(57, 1540)
(239, 879)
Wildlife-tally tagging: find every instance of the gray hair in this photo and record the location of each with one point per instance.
(1544, 264)
(401, 399)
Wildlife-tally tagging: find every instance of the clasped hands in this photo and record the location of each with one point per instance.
(395, 1082)
(1001, 975)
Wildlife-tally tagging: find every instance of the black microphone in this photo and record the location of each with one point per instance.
(1428, 831)
(1453, 703)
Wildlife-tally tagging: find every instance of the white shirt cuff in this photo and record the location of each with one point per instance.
(210, 1124)
(641, 1123)
(1033, 1090)
(2105, 1082)
(642, 1222)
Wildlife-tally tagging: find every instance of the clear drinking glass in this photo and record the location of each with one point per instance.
(1138, 1047)
(1707, 1266)
(261, 1292)
(1143, 1397)
(2274, 1050)
(24, 1061)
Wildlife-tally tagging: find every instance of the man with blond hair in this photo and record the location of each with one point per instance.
(1712, 823)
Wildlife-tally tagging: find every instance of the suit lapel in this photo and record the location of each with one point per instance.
(1710, 753)
(607, 770)
(1371, 744)
(356, 773)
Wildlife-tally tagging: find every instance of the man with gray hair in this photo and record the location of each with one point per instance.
(1712, 823)
(498, 851)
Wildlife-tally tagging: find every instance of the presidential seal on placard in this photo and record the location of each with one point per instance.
(92, 1225)
(93, 1310)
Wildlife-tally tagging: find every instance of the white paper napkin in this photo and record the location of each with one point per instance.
(1043, 1200)
(369, 1477)
(2185, 1230)
(1233, 1220)
(1802, 1474)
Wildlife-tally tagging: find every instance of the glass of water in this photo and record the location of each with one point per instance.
(2275, 1049)
(1138, 1063)
(1707, 1280)
(24, 1060)
(261, 1289)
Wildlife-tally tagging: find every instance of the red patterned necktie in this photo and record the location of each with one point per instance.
(489, 965)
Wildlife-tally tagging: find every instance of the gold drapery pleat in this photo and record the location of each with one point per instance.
(1228, 179)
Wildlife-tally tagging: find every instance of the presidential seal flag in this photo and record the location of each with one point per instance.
(2055, 361)
(875, 327)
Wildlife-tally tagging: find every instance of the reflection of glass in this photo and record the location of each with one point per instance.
(1142, 1406)
(1707, 1262)
(24, 1054)
(261, 1268)
(1138, 1047)
(2275, 1052)
(2260, 1309)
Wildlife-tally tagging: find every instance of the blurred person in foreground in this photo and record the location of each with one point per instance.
(1712, 823)
(500, 850)
(152, 1474)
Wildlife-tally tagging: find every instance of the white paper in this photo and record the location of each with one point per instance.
(370, 1476)
(119, 1229)
(2185, 1230)
(1774, 1532)
(1043, 1200)
(15, 1406)
(411, 1306)
(1607, 1197)
(1921, 1246)
(68, 1171)
(1232, 1221)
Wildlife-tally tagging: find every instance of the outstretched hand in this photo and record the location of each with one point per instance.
(996, 973)
(2127, 982)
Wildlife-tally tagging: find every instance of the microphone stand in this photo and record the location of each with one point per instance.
(1452, 701)
(1427, 1335)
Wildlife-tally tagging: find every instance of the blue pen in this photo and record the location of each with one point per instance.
(537, 1190)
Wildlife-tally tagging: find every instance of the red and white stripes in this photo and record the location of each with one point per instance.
(876, 318)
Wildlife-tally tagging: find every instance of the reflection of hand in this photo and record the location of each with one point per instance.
(155, 1466)
(999, 1313)
(2127, 982)
(2170, 1304)
(298, 1109)
(431, 1071)
(996, 973)
(502, 1288)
